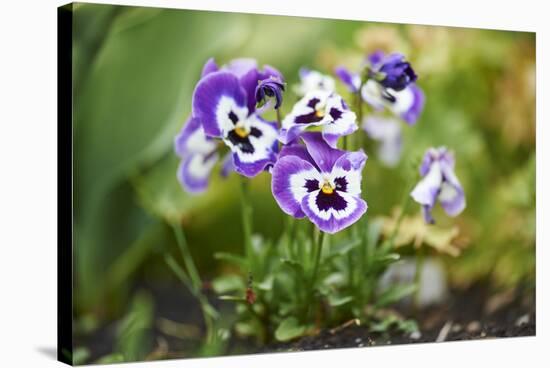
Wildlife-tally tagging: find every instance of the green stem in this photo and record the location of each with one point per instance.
(246, 212)
(318, 252)
(187, 258)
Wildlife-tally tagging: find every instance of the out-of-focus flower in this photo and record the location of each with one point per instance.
(322, 109)
(222, 103)
(439, 182)
(394, 72)
(387, 131)
(320, 182)
(389, 84)
(270, 87)
(312, 80)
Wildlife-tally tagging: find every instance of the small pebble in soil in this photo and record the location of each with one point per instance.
(358, 340)
(473, 326)
(416, 335)
(361, 345)
(456, 328)
(523, 320)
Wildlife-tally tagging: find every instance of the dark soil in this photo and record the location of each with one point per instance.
(469, 315)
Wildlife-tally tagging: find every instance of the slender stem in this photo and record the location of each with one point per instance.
(278, 117)
(318, 252)
(187, 258)
(246, 212)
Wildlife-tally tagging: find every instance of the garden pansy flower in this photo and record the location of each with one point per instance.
(270, 87)
(319, 182)
(387, 131)
(312, 80)
(390, 85)
(322, 109)
(439, 183)
(199, 154)
(221, 103)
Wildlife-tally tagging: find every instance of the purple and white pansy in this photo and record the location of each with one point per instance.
(199, 155)
(312, 80)
(221, 102)
(323, 110)
(387, 131)
(319, 182)
(439, 183)
(390, 84)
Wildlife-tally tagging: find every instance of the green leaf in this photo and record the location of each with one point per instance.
(335, 301)
(134, 337)
(289, 329)
(394, 294)
(228, 283)
(111, 359)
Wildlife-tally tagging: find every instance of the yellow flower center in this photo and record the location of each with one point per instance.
(241, 131)
(319, 113)
(327, 188)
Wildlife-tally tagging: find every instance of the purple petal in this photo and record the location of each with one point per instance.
(427, 189)
(194, 171)
(209, 67)
(333, 212)
(427, 214)
(240, 67)
(216, 96)
(191, 139)
(249, 82)
(227, 165)
(451, 195)
(292, 179)
(299, 151)
(323, 155)
(347, 169)
(351, 80)
(376, 57)
(413, 112)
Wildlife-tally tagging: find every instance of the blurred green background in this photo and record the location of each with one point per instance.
(134, 73)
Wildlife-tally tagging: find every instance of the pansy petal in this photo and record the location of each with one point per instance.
(194, 171)
(227, 165)
(409, 103)
(323, 155)
(258, 150)
(451, 195)
(333, 212)
(427, 190)
(342, 121)
(427, 214)
(241, 66)
(297, 150)
(347, 172)
(351, 80)
(292, 179)
(218, 100)
(371, 92)
(209, 67)
(192, 139)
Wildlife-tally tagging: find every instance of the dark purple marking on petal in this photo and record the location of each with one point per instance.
(335, 114)
(327, 201)
(341, 184)
(308, 118)
(311, 185)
